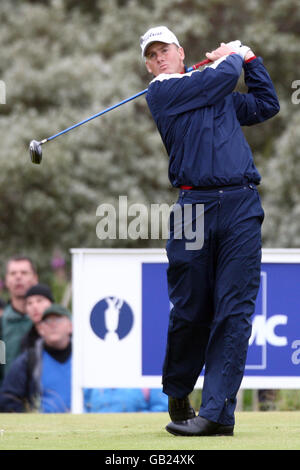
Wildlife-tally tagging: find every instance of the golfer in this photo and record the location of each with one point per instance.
(212, 287)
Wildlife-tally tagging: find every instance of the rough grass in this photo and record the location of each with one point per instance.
(254, 430)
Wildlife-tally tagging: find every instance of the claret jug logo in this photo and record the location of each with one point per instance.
(111, 319)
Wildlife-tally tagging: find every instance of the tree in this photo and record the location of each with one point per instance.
(64, 60)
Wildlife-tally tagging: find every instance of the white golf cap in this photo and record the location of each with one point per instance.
(157, 34)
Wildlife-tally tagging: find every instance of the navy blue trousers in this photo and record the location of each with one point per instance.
(213, 289)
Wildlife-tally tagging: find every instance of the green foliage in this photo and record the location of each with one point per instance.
(288, 400)
(64, 60)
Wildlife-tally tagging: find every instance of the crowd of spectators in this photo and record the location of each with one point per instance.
(37, 334)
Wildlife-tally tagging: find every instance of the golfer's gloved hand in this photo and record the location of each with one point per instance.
(238, 48)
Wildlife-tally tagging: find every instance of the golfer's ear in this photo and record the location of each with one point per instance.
(181, 52)
(148, 67)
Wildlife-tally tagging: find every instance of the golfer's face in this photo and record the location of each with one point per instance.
(164, 58)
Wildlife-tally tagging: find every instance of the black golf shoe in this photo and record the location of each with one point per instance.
(180, 409)
(199, 427)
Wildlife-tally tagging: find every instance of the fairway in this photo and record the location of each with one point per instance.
(254, 430)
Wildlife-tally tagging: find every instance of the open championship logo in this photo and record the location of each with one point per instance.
(111, 319)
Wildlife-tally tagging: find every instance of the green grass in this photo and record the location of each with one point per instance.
(253, 430)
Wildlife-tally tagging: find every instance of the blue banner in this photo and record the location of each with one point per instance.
(274, 346)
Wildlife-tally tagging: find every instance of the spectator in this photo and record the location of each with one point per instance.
(2, 305)
(38, 298)
(40, 378)
(20, 276)
(113, 400)
(267, 400)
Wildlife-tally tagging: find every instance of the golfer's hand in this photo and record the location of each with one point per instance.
(224, 49)
(240, 49)
(233, 46)
(249, 54)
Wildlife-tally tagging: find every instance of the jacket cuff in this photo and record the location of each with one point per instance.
(249, 65)
(251, 58)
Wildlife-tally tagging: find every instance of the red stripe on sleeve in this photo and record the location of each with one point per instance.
(251, 58)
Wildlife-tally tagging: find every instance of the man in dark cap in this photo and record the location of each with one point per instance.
(37, 299)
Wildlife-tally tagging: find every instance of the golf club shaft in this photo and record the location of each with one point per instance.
(190, 69)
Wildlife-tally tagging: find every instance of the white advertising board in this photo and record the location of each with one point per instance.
(120, 317)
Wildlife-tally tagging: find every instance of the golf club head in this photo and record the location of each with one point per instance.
(35, 150)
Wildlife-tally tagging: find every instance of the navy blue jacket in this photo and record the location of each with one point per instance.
(20, 389)
(199, 118)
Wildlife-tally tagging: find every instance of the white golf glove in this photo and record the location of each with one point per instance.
(238, 48)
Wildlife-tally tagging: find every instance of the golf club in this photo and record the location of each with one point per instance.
(35, 147)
